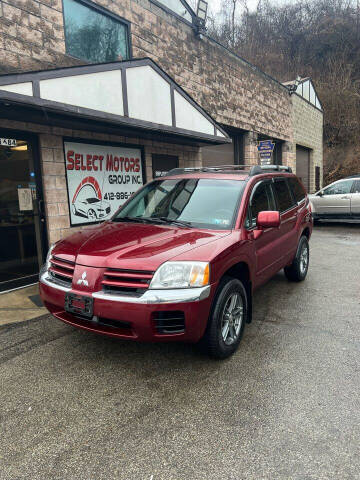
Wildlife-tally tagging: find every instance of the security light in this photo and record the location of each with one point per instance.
(293, 86)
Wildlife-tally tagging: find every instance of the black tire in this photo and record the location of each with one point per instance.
(213, 340)
(297, 271)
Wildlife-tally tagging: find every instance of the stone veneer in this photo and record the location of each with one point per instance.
(308, 132)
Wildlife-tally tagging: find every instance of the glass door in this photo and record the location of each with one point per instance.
(21, 222)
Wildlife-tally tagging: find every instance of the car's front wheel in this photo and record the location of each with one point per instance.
(296, 272)
(92, 214)
(227, 319)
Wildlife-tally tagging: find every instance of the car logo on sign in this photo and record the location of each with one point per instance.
(82, 280)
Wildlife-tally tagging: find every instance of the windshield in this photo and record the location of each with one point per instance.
(201, 203)
(92, 200)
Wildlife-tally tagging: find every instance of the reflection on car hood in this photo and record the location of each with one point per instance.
(132, 245)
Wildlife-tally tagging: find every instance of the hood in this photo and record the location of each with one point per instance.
(134, 246)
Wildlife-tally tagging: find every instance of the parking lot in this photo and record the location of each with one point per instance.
(74, 405)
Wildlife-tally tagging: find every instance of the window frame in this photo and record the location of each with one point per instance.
(172, 12)
(268, 182)
(298, 202)
(283, 179)
(99, 9)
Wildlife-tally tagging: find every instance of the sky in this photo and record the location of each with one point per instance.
(215, 5)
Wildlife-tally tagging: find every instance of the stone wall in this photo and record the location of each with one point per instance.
(234, 92)
(53, 166)
(308, 132)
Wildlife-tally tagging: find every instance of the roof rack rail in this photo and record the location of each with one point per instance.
(216, 168)
(259, 169)
(253, 169)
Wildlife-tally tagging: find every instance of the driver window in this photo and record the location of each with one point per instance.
(339, 188)
(261, 199)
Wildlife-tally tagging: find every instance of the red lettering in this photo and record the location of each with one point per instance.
(116, 164)
(88, 162)
(121, 163)
(69, 158)
(136, 165)
(77, 161)
(127, 164)
(83, 166)
(101, 158)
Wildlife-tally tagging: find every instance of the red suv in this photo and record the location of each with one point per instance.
(179, 261)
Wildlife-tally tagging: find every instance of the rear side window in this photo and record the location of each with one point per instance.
(339, 188)
(261, 199)
(356, 187)
(282, 194)
(297, 189)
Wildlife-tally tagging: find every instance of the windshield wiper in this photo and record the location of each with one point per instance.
(162, 220)
(173, 221)
(130, 219)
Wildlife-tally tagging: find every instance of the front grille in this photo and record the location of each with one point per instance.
(61, 271)
(126, 282)
(168, 322)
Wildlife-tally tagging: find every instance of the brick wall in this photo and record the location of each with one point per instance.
(53, 167)
(234, 92)
(308, 132)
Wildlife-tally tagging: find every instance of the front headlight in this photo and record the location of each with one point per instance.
(181, 275)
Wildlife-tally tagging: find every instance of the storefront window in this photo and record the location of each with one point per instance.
(92, 35)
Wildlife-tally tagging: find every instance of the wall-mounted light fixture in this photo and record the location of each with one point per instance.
(293, 86)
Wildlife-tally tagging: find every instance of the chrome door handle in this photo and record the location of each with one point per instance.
(345, 198)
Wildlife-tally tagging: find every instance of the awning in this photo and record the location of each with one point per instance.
(135, 95)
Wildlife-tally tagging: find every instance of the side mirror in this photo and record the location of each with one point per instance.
(268, 219)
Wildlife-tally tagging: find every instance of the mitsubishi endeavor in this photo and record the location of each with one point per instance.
(180, 260)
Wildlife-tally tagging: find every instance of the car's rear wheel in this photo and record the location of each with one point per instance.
(297, 271)
(227, 319)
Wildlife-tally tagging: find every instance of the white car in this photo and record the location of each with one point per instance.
(92, 208)
(339, 200)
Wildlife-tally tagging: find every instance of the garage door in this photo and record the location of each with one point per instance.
(303, 165)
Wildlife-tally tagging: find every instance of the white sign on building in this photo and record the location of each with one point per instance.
(100, 178)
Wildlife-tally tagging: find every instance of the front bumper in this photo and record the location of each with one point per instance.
(134, 317)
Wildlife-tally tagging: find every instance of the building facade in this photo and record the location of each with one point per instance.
(190, 102)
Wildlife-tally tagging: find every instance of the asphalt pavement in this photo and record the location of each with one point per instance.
(74, 405)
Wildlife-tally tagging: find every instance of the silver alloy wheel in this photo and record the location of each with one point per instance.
(304, 259)
(232, 318)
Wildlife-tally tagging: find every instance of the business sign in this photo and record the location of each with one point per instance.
(8, 142)
(265, 150)
(100, 178)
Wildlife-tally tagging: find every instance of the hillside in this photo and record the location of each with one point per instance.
(320, 39)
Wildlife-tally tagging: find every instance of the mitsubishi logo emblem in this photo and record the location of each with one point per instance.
(82, 280)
